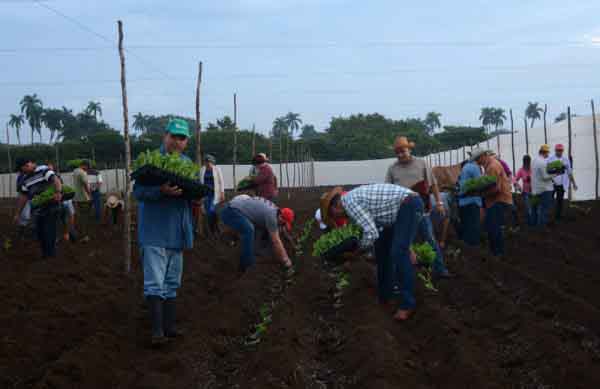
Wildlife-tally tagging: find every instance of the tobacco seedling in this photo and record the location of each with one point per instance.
(335, 237)
(171, 163)
(46, 196)
(479, 184)
(425, 257)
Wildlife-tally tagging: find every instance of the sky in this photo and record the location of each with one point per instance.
(319, 58)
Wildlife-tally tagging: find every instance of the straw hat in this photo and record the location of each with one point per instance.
(476, 153)
(544, 148)
(112, 201)
(402, 142)
(325, 203)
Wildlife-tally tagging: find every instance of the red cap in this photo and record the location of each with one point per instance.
(559, 147)
(288, 217)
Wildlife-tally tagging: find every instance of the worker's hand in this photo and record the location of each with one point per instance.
(412, 256)
(439, 207)
(169, 190)
(575, 186)
(16, 219)
(57, 197)
(222, 197)
(442, 244)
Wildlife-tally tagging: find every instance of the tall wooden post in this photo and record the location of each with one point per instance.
(254, 140)
(464, 152)
(280, 157)
(57, 157)
(10, 181)
(570, 147)
(198, 126)
(595, 148)
(127, 197)
(545, 125)
(271, 145)
(512, 139)
(498, 144)
(526, 136)
(234, 140)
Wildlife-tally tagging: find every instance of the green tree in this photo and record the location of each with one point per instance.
(498, 117)
(533, 111)
(487, 117)
(16, 122)
(53, 120)
(432, 121)
(293, 122)
(308, 132)
(32, 106)
(139, 122)
(94, 108)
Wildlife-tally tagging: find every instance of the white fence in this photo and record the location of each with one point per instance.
(370, 171)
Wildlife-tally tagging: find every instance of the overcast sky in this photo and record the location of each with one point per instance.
(320, 58)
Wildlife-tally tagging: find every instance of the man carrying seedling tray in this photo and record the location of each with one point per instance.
(165, 230)
(563, 181)
(36, 181)
(498, 198)
(411, 172)
(542, 186)
(397, 211)
(247, 214)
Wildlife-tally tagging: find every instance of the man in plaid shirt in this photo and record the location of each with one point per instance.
(389, 216)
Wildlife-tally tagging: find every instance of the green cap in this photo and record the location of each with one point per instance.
(178, 127)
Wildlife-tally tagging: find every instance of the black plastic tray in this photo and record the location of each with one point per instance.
(561, 170)
(335, 252)
(153, 176)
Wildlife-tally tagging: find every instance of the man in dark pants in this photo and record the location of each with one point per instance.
(497, 200)
(35, 181)
(562, 182)
(469, 205)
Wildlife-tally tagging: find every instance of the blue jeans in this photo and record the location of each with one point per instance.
(470, 224)
(97, 202)
(209, 208)
(528, 209)
(425, 230)
(543, 208)
(494, 220)
(233, 218)
(393, 259)
(162, 271)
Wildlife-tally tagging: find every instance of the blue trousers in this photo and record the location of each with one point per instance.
(541, 212)
(97, 202)
(163, 269)
(209, 207)
(239, 222)
(528, 209)
(395, 272)
(425, 229)
(494, 220)
(470, 224)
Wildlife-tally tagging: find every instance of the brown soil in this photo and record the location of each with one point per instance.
(529, 320)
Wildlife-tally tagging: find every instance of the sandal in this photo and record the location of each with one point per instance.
(403, 314)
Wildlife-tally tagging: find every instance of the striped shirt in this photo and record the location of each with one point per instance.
(36, 182)
(374, 206)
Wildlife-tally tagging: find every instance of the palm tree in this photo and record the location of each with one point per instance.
(499, 117)
(279, 127)
(31, 105)
(533, 112)
(53, 120)
(487, 117)
(293, 122)
(16, 122)
(432, 121)
(94, 108)
(139, 122)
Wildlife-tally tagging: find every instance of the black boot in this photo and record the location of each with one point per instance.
(155, 306)
(169, 319)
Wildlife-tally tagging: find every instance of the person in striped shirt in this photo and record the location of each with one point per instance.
(389, 216)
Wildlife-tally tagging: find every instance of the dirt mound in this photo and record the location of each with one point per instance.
(528, 320)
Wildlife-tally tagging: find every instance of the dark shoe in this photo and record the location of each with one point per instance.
(155, 307)
(169, 314)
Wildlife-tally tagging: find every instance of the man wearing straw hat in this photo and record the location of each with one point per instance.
(411, 172)
(389, 216)
(164, 230)
(113, 207)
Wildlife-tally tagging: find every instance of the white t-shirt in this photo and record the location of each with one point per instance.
(563, 179)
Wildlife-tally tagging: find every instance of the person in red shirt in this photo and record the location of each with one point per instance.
(524, 175)
(265, 181)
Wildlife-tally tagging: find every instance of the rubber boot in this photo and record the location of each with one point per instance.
(155, 307)
(169, 314)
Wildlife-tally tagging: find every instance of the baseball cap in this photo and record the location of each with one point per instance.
(559, 147)
(288, 217)
(178, 127)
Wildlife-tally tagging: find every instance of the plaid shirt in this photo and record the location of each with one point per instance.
(373, 206)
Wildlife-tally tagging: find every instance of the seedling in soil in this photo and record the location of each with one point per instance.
(335, 238)
(480, 184)
(306, 231)
(7, 244)
(343, 281)
(425, 257)
(261, 328)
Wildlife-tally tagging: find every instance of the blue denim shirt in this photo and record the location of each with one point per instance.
(470, 170)
(163, 221)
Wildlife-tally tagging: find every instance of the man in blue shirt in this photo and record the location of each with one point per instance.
(165, 230)
(470, 206)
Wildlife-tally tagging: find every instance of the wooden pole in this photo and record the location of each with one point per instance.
(280, 157)
(595, 148)
(253, 140)
(271, 145)
(127, 199)
(56, 156)
(512, 139)
(545, 125)
(526, 136)
(234, 140)
(464, 152)
(198, 126)
(570, 148)
(10, 181)
(498, 144)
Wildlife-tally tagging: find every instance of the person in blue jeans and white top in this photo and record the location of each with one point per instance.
(165, 230)
(563, 181)
(211, 176)
(389, 216)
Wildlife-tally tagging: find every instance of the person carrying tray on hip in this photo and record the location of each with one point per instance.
(247, 214)
(563, 181)
(397, 211)
(165, 230)
(411, 172)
